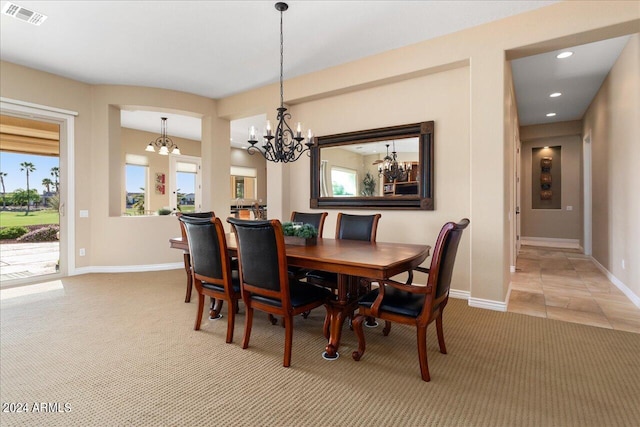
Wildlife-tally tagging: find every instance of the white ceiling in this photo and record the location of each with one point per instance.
(577, 77)
(219, 48)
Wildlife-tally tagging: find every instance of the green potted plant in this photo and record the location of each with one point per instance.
(299, 234)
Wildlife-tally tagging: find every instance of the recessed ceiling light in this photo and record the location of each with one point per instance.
(551, 114)
(555, 94)
(564, 54)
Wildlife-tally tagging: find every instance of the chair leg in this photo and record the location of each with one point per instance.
(199, 311)
(187, 267)
(248, 322)
(443, 348)
(387, 328)
(288, 340)
(422, 353)
(357, 327)
(231, 321)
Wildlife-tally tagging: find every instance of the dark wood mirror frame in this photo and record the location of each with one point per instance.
(424, 131)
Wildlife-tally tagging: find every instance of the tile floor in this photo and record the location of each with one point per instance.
(564, 284)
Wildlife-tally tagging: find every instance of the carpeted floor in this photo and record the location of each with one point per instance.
(120, 350)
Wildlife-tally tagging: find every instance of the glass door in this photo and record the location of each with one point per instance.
(30, 234)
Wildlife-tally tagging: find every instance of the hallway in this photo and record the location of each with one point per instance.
(564, 284)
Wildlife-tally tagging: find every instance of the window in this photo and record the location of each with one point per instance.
(186, 181)
(136, 194)
(343, 182)
(185, 184)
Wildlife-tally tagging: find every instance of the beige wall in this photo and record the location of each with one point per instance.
(612, 121)
(458, 80)
(554, 223)
(442, 97)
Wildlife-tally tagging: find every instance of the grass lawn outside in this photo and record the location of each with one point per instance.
(13, 218)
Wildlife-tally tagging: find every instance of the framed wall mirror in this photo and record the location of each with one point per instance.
(384, 168)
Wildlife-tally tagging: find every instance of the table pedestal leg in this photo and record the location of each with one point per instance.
(338, 311)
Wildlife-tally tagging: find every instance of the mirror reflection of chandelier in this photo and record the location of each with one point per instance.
(163, 143)
(390, 168)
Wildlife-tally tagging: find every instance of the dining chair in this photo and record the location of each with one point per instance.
(415, 305)
(315, 219)
(264, 279)
(186, 256)
(211, 268)
(349, 227)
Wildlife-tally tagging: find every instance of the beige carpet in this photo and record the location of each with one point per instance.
(120, 350)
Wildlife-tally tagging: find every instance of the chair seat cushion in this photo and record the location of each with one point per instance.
(301, 294)
(235, 282)
(396, 301)
(324, 276)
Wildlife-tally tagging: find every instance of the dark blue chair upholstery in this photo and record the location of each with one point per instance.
(187, 256)
(211, 268)
(265, 281)
(415, 305)
(348, 227)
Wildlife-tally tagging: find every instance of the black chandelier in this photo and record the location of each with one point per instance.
(163, 143)
(284, 145)
(390, 168)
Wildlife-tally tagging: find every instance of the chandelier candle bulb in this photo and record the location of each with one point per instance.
(267, 131)
(252, 133)
(299, 131)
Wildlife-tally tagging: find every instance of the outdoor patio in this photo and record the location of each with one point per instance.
(21, 260)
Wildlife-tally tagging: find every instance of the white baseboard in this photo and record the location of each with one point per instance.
(550, 242)
(127, 268)
(488, 304)
(478, 302)
(625, 290)
(453, 293)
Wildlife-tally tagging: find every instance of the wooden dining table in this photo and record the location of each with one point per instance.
(350, 259)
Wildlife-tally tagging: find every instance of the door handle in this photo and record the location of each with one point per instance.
(61, 209)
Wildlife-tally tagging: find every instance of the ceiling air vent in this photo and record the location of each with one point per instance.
(23, 14)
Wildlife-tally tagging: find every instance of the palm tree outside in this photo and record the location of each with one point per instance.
(47, 184)
(2, 175)
(28, 167)
(55, 173)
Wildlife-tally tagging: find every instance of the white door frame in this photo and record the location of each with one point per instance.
(587, 213)
(66, 120)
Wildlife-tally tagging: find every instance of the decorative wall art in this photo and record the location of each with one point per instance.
(159, 184)
(546, 178)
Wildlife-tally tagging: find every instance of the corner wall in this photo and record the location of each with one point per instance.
(612, 120)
